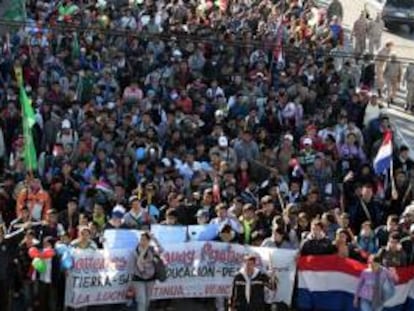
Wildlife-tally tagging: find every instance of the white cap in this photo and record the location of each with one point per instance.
(177, 53)
(219, 113)
(307, 141)
(118, 211)
(409, 209)
(260, 74)
(166, 162)
(223, 141)
(119, 208)
(66, 124)
(174, 95)
(288, 137)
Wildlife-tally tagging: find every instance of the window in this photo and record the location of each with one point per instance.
(401, 3)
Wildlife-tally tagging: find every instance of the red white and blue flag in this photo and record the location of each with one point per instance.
(383, 159)
(328, 283)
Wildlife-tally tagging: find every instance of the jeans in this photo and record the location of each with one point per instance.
(220, 303)
(366, 305)
(29, 294)
(4, 295)
(47, 297)
(143, 294)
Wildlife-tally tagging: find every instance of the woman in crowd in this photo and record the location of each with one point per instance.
(144, 275)
(375, 286)
(84, 241)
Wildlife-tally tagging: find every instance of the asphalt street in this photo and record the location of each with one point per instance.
(404, 48)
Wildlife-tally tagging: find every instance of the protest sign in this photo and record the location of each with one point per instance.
(195, 269)
(98, 278)
(206, 269)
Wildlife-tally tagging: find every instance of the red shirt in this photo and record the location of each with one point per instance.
(186, 104)
(317, 143)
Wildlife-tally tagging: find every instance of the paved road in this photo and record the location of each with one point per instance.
(404, 47)
(404, 41)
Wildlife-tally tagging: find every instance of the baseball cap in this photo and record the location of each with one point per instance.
(288, 137)
(66, 124)
(202, 213)
(118, 212)
(223, 141)
(133, 199)
(307, 141)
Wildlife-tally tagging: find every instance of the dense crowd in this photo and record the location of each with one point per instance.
(248, 114)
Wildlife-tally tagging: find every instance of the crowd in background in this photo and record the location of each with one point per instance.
(248, 114)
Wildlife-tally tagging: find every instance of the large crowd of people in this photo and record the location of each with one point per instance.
(249, 114)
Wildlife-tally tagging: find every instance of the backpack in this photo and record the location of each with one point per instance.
(160, 268)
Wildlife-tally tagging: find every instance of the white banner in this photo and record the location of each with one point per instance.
(98, 278)
(206, 269)
(121, 239)
(195, 269)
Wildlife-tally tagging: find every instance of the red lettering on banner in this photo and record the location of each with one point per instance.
(168, 291)
(81, 299)
(214, 289)
(109, 297)
(228, 255)
(94, 264)
(185, 257)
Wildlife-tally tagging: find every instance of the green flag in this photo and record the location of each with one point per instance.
(28, 122)
(75, 46)
(16, 11)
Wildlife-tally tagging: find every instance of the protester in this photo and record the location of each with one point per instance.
(316, 243)
(409, 84)
(371, 292)
(392, 76)
(393, 255)
(144, 275)
(359, 32)
(407, 244)
(381, 59)
(248, 287)
(84, 240)
(5, 265)
(374, 31)
(278, 240)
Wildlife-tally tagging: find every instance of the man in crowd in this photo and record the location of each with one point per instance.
(359, 33)
(248, 292)
(409, 84)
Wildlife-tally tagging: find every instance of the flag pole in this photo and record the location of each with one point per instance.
(394, 192)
